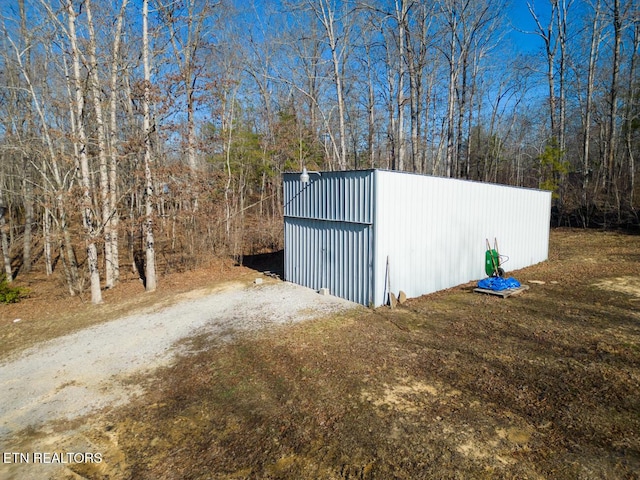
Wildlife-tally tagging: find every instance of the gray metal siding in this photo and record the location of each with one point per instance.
(328, 233)
(328, 254)
(335, 196)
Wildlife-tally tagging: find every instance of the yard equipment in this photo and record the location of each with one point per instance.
(497, 283)
(493, 260)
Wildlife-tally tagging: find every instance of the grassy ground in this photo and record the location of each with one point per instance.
(450, 385)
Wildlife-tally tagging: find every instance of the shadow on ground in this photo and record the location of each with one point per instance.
(268, 263)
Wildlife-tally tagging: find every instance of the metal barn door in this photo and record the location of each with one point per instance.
(330, 254)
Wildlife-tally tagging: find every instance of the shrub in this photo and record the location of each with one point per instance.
(9, 293)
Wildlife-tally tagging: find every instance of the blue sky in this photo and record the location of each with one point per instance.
(521, 21)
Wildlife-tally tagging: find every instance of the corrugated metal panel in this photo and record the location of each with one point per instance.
(342, 226)
(334, 196)
(329, 254)
(433, 230)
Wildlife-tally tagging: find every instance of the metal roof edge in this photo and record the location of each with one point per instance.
(401, 172)
(462, 180)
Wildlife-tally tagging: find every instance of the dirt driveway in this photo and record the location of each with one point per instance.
(71, 376)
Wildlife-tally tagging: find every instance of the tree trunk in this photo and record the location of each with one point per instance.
(401, 12)
(470, 117)
(27, 181)
(150, 255)
(462, 105)
(46, 233)
(401, 101)
(562, 94)
(562, 97)
(586, 143)
(613, 103)
(326, 15)
(6, 253)
(371, 107)
(453, 80)
(551, 45)
(87, 214)
(416, 59)
(113, 145)
(631, 116)
(105, 198)
(27, 193)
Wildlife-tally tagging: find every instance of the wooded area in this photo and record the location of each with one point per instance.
(152, 134)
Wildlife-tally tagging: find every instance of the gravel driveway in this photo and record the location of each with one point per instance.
(71, 376)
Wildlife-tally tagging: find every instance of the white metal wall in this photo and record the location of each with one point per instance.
(432, 230)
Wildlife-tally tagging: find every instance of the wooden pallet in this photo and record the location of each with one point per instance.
(503, 293)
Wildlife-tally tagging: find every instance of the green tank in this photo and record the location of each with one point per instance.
(492, 263)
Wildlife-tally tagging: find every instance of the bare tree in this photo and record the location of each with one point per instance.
(6, 251)
(187, 36)
(337, 31)
(632, 111)
(549, 36)
(27, 181)
(405, 84)
(594, 49)
(471, 28)
(88, 218)
(54, 180)
(105, 197)
(150, 253)
(401, 12)
(368, 67)
(451, 54)
(418, 45)
(611, 139)
(113, 267)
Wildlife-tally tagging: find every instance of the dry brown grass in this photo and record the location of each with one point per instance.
(451, 385)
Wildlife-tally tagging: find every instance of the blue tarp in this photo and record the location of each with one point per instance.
(498, 283)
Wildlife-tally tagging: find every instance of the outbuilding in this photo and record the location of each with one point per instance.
(362, 234)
